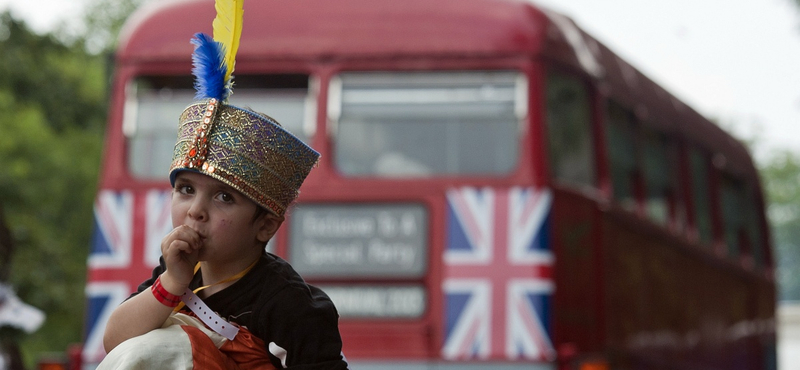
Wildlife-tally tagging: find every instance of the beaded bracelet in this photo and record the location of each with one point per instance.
(162, 295)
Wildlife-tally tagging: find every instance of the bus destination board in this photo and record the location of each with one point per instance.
(354, 240)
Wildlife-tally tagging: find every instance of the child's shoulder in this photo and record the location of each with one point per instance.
(279, 269)
(286, 284)
(278, 275)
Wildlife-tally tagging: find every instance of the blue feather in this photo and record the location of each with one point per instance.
(209, 69)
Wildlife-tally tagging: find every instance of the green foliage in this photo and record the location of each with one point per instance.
(781, 174)
(53, 98)
(53, 102)
(41, 70)
(103, 21)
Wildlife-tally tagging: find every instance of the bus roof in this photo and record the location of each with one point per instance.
(323, 29)
(357, 29)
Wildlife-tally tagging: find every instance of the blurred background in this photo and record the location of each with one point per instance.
(736, 62)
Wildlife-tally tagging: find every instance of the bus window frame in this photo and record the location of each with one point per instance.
(675, 198)
(330, 107)
(745, 191)
(691, 149)
(601, 188)
(637, 182)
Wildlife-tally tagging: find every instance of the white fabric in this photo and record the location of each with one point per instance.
(166, 348)
(14, 312)
(278, 352)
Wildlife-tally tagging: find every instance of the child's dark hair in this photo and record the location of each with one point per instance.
(260, 211)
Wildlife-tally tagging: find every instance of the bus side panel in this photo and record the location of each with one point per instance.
(690, 312)
(765, 314)
(577, 318)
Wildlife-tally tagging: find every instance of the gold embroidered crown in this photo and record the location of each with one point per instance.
(246, 150)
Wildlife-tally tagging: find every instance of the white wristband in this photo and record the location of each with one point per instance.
(208, 316)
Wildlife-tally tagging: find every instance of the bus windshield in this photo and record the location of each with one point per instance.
(414, 124)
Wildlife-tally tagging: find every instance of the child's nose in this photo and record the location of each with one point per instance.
(198, 210)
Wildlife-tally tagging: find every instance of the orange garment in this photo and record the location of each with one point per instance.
(244, 352)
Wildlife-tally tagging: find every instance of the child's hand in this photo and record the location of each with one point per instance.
(181, 249)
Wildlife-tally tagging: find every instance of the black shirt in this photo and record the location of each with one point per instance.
(275, 304)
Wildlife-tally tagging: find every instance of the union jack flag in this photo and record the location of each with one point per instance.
(112, 238)
(120, 258)
(498, 275)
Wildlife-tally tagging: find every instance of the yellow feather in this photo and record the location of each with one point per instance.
(228, 28)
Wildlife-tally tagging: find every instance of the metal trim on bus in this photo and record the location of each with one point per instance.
(310, 107)
(130, 109)
(334, 104)
(521, 100)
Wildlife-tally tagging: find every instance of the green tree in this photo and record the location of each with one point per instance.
(53, 101)
(781, 174)
(53, 95)
(101, 24)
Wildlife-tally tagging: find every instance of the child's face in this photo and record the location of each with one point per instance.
(222, 217)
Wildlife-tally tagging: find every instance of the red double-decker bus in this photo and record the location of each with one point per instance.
(497, 189)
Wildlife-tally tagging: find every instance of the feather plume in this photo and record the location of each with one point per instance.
(214, 58)
(209, 69)
(228, 29)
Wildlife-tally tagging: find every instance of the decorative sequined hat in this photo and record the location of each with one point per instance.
(249, 151)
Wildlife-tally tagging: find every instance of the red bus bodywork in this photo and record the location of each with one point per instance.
(628, 292)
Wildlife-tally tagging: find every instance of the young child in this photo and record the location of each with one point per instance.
(234, 173)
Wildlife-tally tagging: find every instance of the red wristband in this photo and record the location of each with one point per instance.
(162, 295)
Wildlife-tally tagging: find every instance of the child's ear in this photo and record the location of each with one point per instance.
(268, 226)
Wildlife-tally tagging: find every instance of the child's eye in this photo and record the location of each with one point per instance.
(184, 189)
(225, 197)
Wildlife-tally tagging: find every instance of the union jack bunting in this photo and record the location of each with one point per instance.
(118, 259)
(498, 275)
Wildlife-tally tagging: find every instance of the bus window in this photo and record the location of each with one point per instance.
(569, 130)
(621, 139)
(657, 174)
(153, 104)
(413, 124)
(152, 107)
(701, 195)
(742, 233)
(661, 176)
(733, 215)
